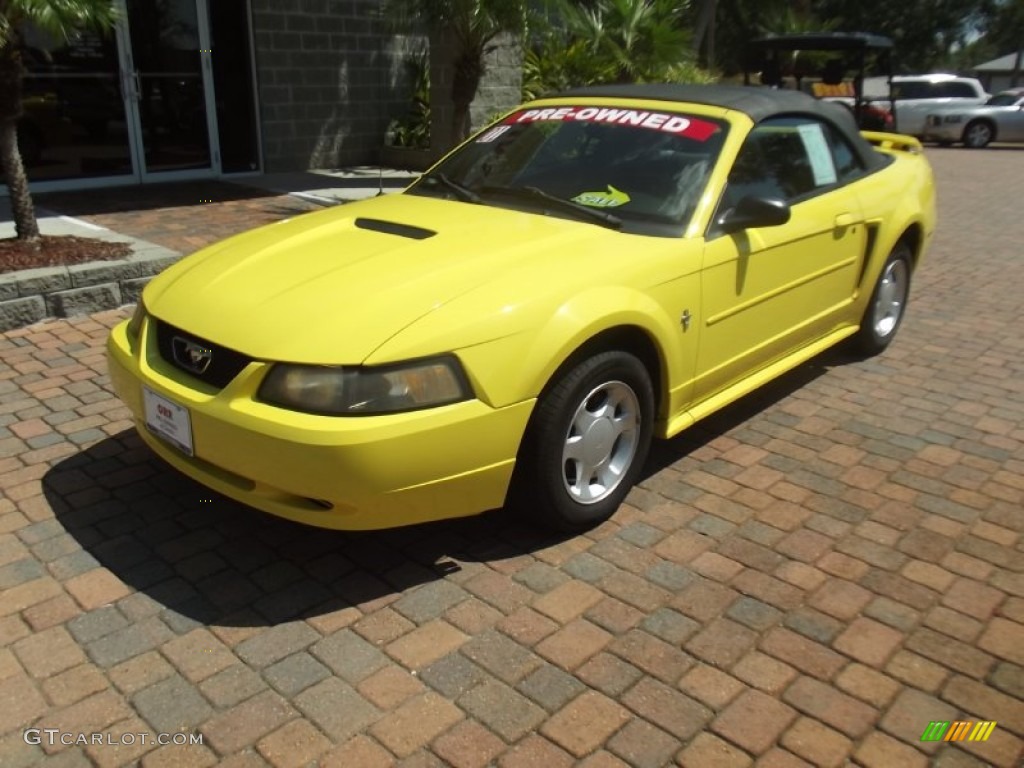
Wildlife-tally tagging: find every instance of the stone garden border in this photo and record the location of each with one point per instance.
(31, 295)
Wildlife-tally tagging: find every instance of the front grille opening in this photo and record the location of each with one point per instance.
(208, 362)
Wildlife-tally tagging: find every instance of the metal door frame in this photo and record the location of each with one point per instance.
(133, 115)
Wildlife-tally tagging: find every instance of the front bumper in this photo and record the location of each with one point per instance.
(346, 473)
(944, 132)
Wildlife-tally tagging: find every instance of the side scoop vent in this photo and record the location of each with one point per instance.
(394, 228)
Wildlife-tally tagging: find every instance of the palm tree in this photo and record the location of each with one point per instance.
(471, 26)
(704, 30)
(588, 42)
(639, 39)
(59, 18)
(797, 20)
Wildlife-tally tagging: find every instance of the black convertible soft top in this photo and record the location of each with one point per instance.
(757, 103)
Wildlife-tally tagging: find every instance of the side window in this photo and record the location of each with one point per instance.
(787, 158)
(903, 90)
(911, 90)
(848, 163)
(958, 90)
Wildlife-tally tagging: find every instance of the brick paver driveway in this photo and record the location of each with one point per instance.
(810, 578)
(182, 216)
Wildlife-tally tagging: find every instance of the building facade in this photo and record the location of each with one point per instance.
(1002, 73)
(186, 89)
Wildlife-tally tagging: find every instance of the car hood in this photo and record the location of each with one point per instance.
(331, 287)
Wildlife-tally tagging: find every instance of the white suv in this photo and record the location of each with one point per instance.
(917, 95)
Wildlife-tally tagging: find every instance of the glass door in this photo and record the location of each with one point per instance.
(74, 124)
(168, 84)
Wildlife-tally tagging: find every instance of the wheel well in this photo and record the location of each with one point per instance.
(912, 237)
(627, 338)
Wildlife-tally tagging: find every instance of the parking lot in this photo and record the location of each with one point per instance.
(809, 578)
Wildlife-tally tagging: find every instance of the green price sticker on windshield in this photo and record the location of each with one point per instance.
(612, 198)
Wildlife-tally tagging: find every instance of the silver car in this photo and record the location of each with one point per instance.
(918, 95)
(1001, 118)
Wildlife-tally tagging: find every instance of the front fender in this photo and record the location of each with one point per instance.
(517, 368)
(513, 332)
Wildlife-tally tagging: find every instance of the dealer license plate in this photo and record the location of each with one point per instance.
(168, 420)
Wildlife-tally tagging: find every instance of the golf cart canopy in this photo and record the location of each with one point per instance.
(824, 41)
(851, 52)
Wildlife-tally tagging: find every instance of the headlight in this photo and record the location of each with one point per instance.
(361, 391)
(135, 324)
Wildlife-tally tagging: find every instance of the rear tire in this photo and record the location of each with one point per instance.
(888, 303)
(586, 444)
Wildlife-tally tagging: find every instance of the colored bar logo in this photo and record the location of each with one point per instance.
(958, 730)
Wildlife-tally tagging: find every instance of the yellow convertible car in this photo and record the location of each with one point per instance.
(592, 271)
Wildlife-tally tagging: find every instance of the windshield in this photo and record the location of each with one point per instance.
(1004, 100)
(636, 170)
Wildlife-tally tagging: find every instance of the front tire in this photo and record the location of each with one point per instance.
(888, 303)
(978, 134)
(586, 443)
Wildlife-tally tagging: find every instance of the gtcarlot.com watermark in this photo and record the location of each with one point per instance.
(52, 737)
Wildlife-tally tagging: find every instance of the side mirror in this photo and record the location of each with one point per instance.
(752, 212)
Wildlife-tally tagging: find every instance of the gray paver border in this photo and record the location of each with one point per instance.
(31, 295)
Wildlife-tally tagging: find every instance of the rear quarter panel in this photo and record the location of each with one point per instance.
(898, 200)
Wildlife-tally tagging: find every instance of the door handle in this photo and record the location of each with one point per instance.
(843, 220)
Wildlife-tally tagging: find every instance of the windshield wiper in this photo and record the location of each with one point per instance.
(465, 194)
(567, 206)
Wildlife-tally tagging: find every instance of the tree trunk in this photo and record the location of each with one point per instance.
(1015, 77)
(21, 201)
(10, 157)
(469, 68)
(461, 122)
(703, 30)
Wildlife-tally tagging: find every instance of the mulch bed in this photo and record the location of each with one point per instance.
(57, 251)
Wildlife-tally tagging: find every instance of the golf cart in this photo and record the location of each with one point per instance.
(834, 69)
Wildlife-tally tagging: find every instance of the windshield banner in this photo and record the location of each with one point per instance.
(690, 127)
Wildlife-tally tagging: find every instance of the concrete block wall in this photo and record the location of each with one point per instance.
(330, 78)
(502, 84)
(500, 87)
(31, 295)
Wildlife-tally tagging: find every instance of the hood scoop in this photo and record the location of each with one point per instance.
(394, 228)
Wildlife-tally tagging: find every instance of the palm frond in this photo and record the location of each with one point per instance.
(60, 18)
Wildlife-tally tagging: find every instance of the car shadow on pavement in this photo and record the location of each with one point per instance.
(206, 559)
(186, 194)
(995, 146)
(665, 453)
(149, 197)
